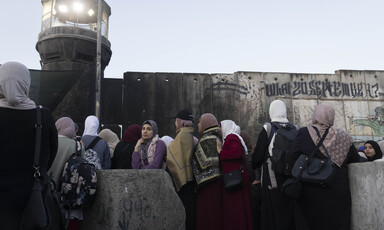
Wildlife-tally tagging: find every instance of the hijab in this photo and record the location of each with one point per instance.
(91, 126)
(337, 142)
(15, 81)
(278, 111)
(230, 127)
(145, 145)
(111, 138)
(376, 147)
(166, 139)
(132, 134)
(208, 120)
(66, 127)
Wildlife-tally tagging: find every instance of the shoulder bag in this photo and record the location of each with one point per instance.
(43, 209)
(233, 180)
(313, 170)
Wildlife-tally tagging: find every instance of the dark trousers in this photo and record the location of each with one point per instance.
(188, 198)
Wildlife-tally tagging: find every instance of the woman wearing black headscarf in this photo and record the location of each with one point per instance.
(372, 150)
(17, 143)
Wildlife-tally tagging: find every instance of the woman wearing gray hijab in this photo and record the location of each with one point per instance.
(17, 143)
(150, 149)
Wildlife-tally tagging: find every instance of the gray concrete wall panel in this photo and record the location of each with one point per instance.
(367, 192)
(134, 199)
(357, 96)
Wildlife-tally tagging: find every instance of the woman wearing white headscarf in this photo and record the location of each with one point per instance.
(91, 128)
(325, 207)
(272, 210)
(17, 143)
(237, 213)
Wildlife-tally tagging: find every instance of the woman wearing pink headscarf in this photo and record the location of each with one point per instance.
(206, 169)
(325, 207)
(67, 146)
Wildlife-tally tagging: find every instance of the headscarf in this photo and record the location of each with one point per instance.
(183, 123)
(132, 134)
(376, 147)
(15, 81)
(208, 120)
(278, 111)
(111, 138)
(337, 142)
(66, 127)
(91, 126)
(147, 149)
(230, 127)
(166, 139)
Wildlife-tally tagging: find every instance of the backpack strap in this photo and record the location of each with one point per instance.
(93, 143)
(77, 150)
(271, 130)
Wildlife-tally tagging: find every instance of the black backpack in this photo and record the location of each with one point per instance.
(78, 182)
(285, 134)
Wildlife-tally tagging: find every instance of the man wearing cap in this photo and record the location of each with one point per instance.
(179, 156)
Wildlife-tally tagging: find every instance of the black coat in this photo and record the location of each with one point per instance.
(318, 207)
(122, 156)
(17, 143)
(276, 209)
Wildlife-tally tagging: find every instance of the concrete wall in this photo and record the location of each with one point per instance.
(146, 199)
(134, 199)
(367, 191)
(357, 96)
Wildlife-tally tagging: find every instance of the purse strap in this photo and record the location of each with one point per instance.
(322, 145)
(320, 142)
(36, 158)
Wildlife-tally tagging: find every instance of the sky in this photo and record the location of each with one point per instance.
(220, 36)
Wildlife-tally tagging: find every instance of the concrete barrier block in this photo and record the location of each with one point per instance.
(367, 191)
(134, 199)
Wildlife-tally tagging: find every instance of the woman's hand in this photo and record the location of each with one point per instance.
(218, 145)
(139, 142)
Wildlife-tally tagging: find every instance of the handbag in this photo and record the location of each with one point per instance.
(233, 180)
(43, 209)
(311, 169)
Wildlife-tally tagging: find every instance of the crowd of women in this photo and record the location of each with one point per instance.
(196, 165)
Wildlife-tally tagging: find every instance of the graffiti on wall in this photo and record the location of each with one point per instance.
(323, 89)
(137, 208)
(376, 121)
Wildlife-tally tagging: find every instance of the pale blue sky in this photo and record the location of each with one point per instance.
(212, 36)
